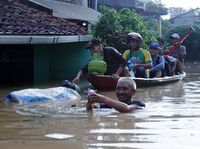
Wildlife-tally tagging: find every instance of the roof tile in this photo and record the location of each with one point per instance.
(17, 18)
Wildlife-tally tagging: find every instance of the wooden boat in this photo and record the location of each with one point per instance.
(107, 82)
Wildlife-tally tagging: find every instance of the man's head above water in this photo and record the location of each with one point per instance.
(125, 89)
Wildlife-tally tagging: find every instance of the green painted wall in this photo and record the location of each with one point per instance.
(59, 62)
(41, 63)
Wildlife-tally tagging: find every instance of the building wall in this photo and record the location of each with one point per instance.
(118, 4)
(77, 2)
(187, 18)
(59, 62)
(191, 17)
(41, 63)
(175, 11)
(16, 63)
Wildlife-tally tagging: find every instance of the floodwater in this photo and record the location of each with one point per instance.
(171, 120)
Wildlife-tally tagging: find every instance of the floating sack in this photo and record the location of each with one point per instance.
(36, 95)
(96, 64)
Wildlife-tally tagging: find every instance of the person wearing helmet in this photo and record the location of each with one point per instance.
(180, 50)
(141, 58)
(158, 61)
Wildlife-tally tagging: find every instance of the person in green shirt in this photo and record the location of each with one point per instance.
(138, 59)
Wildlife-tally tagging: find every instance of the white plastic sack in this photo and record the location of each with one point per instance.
(36, 95)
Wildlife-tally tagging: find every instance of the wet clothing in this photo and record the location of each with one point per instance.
(113, 58)
(136, 103)
(179, 53)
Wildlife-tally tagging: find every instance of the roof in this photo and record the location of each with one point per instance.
(184, 14)
(70, 11)
(79, 2)
(118, 4)
(43, 39)
(19, 19)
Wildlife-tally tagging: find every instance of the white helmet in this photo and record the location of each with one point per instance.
(134, 35)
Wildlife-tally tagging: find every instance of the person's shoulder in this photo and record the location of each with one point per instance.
(126, 53)
(138, 104)
(161, 56)
(143, 50)
(110, 48)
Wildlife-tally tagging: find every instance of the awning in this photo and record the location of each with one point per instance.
(43, 39)
(69, 11)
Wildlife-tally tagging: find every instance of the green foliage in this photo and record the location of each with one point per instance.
(114, 26)
(166, 25)
(152, 25)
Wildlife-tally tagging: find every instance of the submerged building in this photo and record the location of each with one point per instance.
(43, 40)
(188, 18)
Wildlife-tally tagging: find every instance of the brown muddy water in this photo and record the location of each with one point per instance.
(171, 120)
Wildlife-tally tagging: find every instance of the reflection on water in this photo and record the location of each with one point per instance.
(171, 119)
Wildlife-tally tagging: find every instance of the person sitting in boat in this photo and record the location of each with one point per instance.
(158, 61)
(172, 65)
(176, 50)
(125, 90)
(104, 60)
(140, 59)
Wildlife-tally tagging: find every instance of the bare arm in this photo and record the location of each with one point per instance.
(78, 76)
(118, 72)
(119, 106)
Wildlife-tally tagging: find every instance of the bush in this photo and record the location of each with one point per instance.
(114, 26)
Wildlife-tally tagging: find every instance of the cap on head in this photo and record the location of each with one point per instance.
(175, 35)
(93, 43)
(134, 35)
(154, 46)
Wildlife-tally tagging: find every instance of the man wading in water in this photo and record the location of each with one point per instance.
(125, 90)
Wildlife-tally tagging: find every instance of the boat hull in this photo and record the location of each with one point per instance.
(107, 82)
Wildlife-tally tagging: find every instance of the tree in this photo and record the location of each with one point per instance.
(113, 27)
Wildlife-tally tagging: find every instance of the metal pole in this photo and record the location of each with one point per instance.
(95, 4)
(159, 25)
